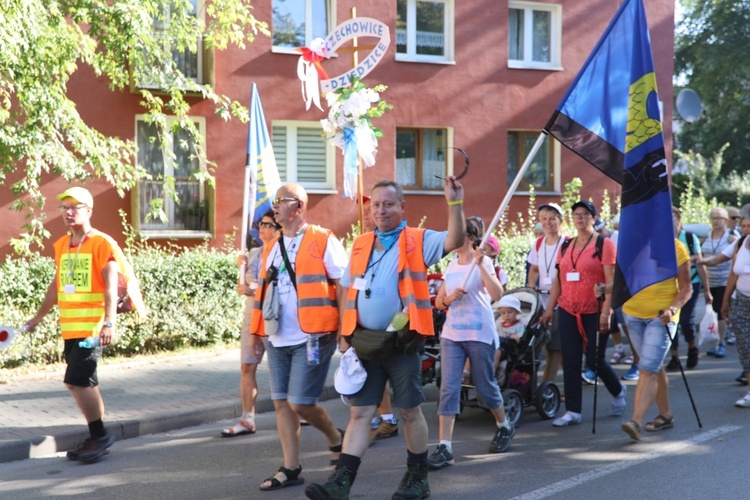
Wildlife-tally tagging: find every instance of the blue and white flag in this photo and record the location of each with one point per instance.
(261, 174)
(610, 117)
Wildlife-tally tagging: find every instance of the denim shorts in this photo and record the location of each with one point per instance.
(292, 378)
(82, 363)
(404, 371)
(650, 340)
(453, 356)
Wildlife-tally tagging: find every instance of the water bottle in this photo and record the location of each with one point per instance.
(313, 350)
(398, 321)
(89, 343)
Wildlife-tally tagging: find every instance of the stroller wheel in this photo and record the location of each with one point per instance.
(513, 403)
(547, 400)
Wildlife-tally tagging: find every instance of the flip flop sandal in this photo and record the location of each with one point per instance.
(660, 423)
(242, 427)
(292, 479)
(632, 429)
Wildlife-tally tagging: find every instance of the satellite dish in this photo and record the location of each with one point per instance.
(689, 105)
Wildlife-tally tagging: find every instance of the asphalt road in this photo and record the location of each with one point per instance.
(686, 462)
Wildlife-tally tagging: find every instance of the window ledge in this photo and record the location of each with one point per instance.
(538, 193)
(540, 67)
(423, 191)
(320, 190)
(175, 235)
(417, 59)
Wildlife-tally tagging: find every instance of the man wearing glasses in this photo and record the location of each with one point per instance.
(304, 264)
(85, 290)
(387, 274)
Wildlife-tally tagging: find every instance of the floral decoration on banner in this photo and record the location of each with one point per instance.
(349, 126)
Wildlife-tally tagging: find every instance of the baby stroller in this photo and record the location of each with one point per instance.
(431, 354)
(518, 378)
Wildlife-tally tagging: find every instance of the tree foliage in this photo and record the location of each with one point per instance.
(127, 42)
(711, 46)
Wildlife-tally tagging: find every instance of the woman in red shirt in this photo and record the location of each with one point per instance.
(580, 267)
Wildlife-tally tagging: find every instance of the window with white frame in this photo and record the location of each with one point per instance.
(541, 171)
(302, 156)
(295, 23)
(421, 158)
(172, 158)
(424, 30)
(188, 61)
(534, 35)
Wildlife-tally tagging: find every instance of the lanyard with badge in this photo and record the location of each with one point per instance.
(361, 283)
(575, 275)
(547, 280)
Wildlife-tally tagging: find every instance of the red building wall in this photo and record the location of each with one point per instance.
(478, 96)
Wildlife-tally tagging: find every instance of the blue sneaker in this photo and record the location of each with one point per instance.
(721, 350)
(711, 352)
(589, 377)
(632, 373)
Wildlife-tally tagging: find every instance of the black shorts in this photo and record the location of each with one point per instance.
(81, 370)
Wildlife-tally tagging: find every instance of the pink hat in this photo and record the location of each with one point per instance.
(493, 244)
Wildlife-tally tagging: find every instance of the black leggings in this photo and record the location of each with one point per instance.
(572, 348)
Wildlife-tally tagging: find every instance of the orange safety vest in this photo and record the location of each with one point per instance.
(412, 280)
(81, 312)
(317, 308)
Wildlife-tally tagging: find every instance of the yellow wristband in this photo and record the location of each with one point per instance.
(456, 202)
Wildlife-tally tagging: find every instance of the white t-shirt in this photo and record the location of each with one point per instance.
(742, 270)
(471, 318)
(334, 260)
(545, 259)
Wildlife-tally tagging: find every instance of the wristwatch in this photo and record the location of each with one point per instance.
(673, 310)
(108, 324)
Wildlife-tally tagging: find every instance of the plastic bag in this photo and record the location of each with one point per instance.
(708, 331)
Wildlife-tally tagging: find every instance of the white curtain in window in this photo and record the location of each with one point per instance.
(406, 171)
(433, 158)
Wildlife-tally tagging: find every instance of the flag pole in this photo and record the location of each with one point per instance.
(511, 191)
(360, 170)
(250, 183)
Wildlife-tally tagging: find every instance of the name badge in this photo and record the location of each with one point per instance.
(547, 281)
(359, 284)
(70, 289)
(573, 276)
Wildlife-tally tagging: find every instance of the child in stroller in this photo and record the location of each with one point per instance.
(522, 339)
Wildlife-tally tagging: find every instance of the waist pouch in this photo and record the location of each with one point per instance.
(378, 345)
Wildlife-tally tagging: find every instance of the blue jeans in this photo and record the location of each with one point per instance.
(292, 378)
(650, 340)
(452, 360)
(572, 347)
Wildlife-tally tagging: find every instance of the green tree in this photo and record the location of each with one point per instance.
(44, 42)
(711, 46)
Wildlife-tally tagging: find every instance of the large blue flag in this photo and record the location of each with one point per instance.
(262, 175)
(610, 117)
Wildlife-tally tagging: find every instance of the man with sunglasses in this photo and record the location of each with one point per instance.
(85, 291)
(387, 273)
(304, 264)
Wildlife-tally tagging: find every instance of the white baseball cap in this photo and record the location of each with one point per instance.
(350, 375)
(510, 301)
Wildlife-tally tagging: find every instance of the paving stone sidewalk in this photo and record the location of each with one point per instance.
(40, 417)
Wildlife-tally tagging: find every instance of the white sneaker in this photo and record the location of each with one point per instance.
(570, 418)
(744, 402)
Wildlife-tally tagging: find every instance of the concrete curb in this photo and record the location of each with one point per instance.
(46, 445)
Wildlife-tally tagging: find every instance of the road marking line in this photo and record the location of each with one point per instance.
(599, 472)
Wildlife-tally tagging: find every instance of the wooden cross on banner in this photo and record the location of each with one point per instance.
(360, 182)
